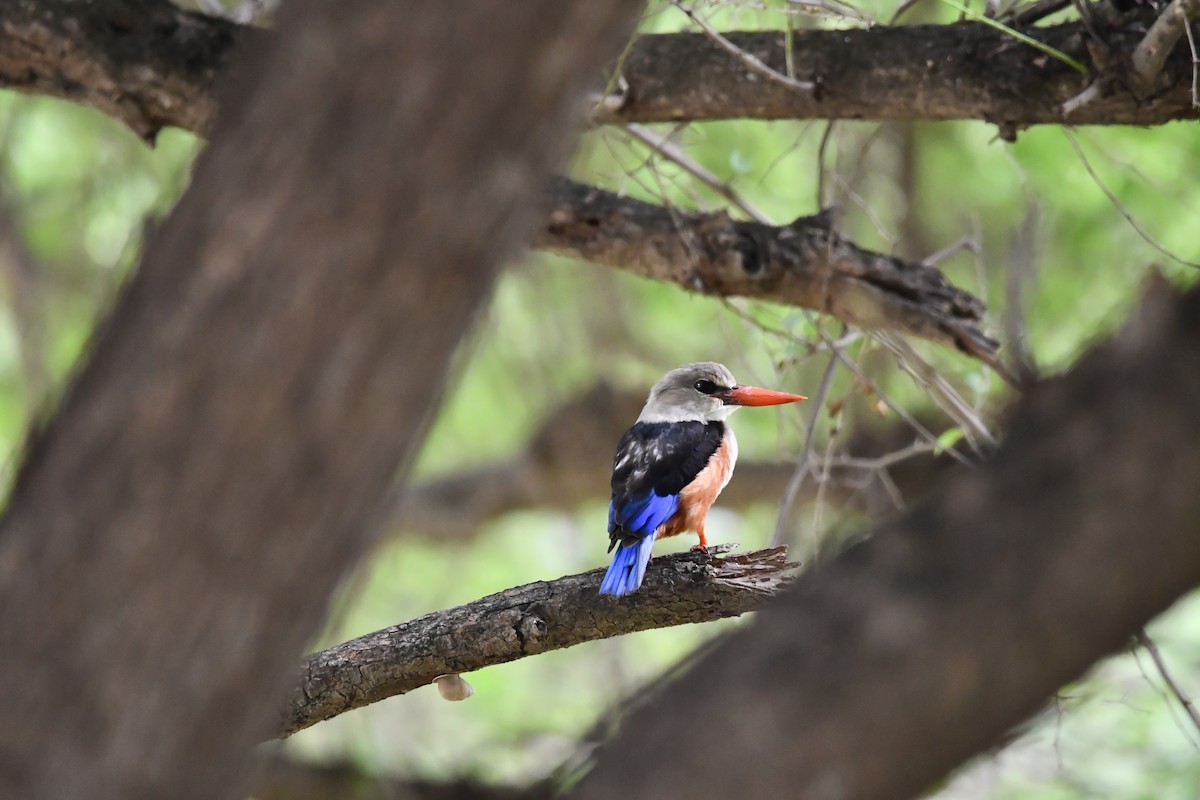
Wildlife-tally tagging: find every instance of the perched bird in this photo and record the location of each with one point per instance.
(671, 465)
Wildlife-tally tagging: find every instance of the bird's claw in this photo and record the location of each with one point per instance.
(700, 548)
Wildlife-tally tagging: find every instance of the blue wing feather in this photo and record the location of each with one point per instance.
(654, 462)
(641, 518)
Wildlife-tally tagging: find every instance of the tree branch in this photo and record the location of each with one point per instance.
(805, 263)
(1152, 52)
(536, 618)
(886, 667)
(150, 64)
(963, 70)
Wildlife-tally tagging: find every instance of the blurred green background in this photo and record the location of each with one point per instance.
(1057, 261)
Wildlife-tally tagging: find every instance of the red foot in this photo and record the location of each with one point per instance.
(700, 548)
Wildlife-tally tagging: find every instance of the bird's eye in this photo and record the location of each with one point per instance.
(706, 387)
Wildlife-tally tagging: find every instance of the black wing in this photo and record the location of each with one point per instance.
(654, 462)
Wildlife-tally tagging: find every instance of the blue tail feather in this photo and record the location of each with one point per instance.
(628, 568)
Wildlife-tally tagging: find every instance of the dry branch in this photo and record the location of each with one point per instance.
(888, 666)
(1154, 50)
(536, 618)
(806, 263)
(145, 62)
(964, 70)
(150, 65)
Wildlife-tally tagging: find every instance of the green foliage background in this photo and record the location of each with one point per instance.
(78, 193)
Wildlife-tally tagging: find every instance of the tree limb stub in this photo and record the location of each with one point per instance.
(805, 263)
(150, 65)
(886, 667)
(536, 618)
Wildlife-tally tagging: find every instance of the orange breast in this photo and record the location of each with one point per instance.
(699, 495)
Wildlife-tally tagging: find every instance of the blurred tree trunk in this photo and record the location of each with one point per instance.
(175, 531)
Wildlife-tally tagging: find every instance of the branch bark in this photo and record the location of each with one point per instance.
(1153, 51)
(174, 535)
(805, 263)
(536, 618)
(965, 70)
(886, 667)
(150, 64)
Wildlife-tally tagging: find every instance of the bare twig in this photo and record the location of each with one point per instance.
(1160, 663)
(939, 390)
(752, 62)
(803, 463)
(1191, 37)
(1133, 223)
(1093, 91)
(536, 618)
(675, 154)
(1151, 54)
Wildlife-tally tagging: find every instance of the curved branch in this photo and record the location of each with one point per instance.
(150, 64)
(145, 62)
(536, 618)
(805, 263)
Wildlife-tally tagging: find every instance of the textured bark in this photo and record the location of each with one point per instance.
(536, 618)
(883, 669)
(174, 534)
(921, 72)
(150, 64)
(805, 263)
(145, 62)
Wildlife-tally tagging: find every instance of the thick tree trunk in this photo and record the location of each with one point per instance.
(890, 665)
(175, 532)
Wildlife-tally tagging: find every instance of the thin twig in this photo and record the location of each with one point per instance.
(1080, 100)
(942, 393)
(825, 138)
(753, 63)
(675, 154)
(968, 243)
(1145, 641)
(802, 463)
(1146, 237)
(899, 410)
(1191, 37)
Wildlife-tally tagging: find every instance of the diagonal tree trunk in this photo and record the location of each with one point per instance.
(176, 530)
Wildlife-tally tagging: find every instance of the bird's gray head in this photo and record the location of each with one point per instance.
(705, 391)
(691, 392)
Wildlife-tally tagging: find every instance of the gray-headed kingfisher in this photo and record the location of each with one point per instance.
(671, 465)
